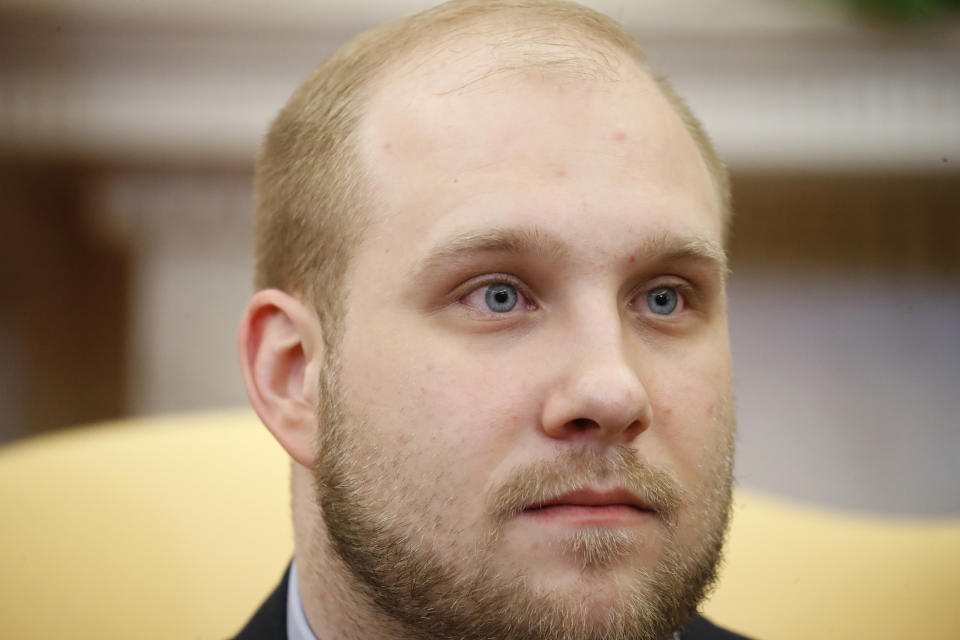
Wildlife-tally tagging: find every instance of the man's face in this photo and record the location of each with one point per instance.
(529, 426)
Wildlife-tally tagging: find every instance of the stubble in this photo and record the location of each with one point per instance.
(428, 588)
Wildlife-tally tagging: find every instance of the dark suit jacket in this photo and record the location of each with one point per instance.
(270, 622)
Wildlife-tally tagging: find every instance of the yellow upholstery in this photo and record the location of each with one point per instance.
(177, 527)
(164, 528)
(795, 572)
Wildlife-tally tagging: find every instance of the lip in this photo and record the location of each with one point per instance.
(592, 507)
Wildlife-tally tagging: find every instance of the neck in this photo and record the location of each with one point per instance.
(334, 604)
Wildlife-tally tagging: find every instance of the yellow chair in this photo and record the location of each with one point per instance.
(177, 527)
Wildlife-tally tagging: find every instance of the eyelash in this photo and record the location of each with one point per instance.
(474, 286)
(685, 296)
(637, 303)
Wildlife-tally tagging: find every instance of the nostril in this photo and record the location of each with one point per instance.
(583, 423)
(637, 427)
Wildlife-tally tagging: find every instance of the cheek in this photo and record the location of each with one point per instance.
(438, 406)
(693, 413)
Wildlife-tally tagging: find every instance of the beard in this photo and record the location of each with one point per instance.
(428, 587)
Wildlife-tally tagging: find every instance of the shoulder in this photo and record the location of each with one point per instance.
(702, 629)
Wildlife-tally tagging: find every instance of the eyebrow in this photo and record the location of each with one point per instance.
(535, 241)
(506, 240)
(668, 247)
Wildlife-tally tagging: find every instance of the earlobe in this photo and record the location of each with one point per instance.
(281, 343)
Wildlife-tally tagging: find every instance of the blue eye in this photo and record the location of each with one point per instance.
(662, 300)
(501, 297)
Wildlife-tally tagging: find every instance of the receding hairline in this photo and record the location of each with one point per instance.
(557, 48)
(312, 204)
(523, 40)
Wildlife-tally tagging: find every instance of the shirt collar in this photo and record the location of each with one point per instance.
(297, 626)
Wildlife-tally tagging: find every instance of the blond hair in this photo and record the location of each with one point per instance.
(310, 197)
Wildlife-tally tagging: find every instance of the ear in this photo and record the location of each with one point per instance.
(281, 352)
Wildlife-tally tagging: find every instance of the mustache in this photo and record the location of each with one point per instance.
(576, 469)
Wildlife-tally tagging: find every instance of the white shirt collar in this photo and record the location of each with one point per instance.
(297, 626)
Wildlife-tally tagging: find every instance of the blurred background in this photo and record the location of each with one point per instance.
(127, 132)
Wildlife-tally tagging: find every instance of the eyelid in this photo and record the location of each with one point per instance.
(473, 284)
(685, 292)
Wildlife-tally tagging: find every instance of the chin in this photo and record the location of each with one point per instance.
(601, 578)
(592, 554)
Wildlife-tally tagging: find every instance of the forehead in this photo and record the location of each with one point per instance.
(466, 139)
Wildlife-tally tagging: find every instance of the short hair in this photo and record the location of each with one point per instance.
(309, 188)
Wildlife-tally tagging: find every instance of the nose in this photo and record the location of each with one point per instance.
(597, 396)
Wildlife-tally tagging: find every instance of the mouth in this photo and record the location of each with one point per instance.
(592, 506)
